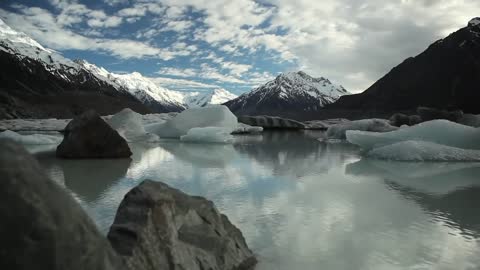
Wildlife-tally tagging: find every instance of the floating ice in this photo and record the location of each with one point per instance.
(212, 116)
(30, 139)
(129, 125)
(244, 128)
(208, 134)
(377, 125)
(423, 151)
(441, 132)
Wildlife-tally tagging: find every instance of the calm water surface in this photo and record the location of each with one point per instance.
(304, 204)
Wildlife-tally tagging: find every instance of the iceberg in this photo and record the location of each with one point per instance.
(129, 125)
(423, 151)
(439, 132)
(213, 116)
(244, 129)
(376, 125)
(208, 134)
(32, 139)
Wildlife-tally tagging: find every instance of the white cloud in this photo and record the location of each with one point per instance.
(182, 84)
(187, 72)
(108, 22)
(44, 27)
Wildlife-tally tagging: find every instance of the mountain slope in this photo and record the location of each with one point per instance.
(155, 97)
(37, 82)
(446, 76)
(217, 96)
(293, 94)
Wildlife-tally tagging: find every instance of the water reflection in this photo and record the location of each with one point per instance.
(447, 191)
(304, 204)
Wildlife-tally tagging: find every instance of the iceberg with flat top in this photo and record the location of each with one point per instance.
(213, 116)
(441, 132)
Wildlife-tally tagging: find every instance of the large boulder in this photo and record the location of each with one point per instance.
(89, 136)
(428, 114)
(42, 226)
(159, 227)
(271, 122)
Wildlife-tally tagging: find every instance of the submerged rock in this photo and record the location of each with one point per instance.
(42, 226)
(271, 122)
(89, 136)
(158, 227)
(400, 119)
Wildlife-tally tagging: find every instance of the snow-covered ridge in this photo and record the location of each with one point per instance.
(295, 86)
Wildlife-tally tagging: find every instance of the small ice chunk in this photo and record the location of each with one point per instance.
(377, 125)
(129, 125)
(30, 139)
(208, 134)
(212, 116)
(423, 151)
(437, 131)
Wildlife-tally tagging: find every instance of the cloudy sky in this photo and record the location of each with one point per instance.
(239, 44)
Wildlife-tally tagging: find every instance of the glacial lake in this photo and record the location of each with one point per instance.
(302, 203)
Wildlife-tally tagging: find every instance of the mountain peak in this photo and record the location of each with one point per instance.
(474, 22)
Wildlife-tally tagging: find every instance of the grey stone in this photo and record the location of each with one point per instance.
(42, 226)
(399, 119)
(159, 227)
(271, 122)
(89, 136)
(428, 114)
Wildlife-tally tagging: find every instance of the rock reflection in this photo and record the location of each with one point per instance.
(88, 178)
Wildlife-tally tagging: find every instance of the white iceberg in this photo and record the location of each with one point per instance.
(376, 125)
(208, 134)
(442, 132)
(212, 116)
(129, 125)
(32, 139)
(423, 151)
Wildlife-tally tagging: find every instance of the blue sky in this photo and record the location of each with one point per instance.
(239, 44)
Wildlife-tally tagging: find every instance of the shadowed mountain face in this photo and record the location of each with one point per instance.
(446, 76)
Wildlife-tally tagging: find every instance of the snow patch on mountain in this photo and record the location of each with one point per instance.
(217, 96)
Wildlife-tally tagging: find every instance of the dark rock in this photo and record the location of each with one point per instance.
(42, 226)
(414, 119)
(271, 122)
(158, 227)
(399, 119)
(89, 136)
(428, 114)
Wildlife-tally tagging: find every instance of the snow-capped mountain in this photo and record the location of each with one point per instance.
(40, 74)
(289, 94)
(38, 82)
(217, 96)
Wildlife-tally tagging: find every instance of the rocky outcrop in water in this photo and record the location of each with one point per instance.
(42, 226)
(89, 136)
(271, 122)
(158, 227)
